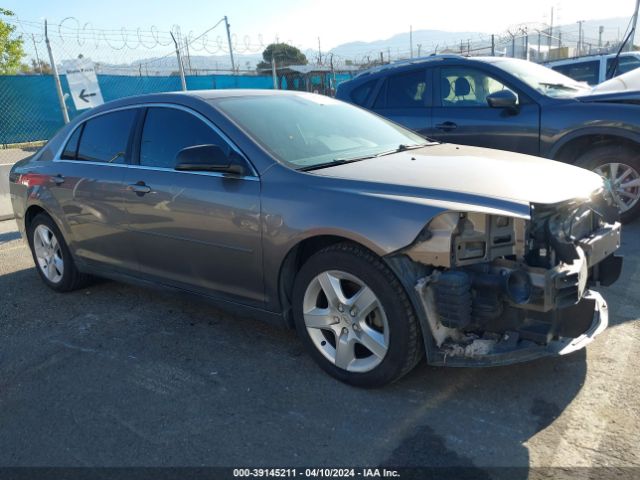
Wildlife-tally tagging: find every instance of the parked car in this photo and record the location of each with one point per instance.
(595, 69)
(514, 105)
(376, 244)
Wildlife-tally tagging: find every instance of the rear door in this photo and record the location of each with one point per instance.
(87, 183)
(462, 114)
(406, 99)
(196, 230)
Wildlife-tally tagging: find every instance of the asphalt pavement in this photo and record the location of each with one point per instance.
(117, 375)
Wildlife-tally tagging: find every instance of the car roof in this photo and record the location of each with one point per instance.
(409, 63)
(567, 61)
(185, 98)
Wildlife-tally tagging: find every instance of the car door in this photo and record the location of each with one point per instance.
(462, 114)
(405, 98)
(195, 230)
(87, 183)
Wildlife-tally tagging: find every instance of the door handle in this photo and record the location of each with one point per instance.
(58, 179)
(447, 126)
(139, 188)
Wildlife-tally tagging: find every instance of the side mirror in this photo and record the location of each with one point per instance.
(206, 158)
(503, 99)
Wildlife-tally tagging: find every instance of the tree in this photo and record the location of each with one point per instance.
(284, 55)
(11, 47)
(37, 67)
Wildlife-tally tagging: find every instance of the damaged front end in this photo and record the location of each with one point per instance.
(497, 289)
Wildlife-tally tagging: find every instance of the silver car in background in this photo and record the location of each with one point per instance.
(376, 244)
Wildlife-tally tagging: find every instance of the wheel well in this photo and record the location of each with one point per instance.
(574, 148)
(294, 260)
(31, 213)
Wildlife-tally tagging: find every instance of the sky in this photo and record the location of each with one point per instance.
(301, 22)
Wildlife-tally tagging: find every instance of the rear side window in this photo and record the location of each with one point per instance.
(405, 90)
(361, 93)
(105, 138)
(70, 151)
(166, 131)
(582, 72)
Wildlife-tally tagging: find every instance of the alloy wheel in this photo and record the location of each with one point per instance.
(48, 253)
(624, 181)
(346, 321)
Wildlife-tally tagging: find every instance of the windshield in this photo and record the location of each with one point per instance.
(543, 79)
(305, 130)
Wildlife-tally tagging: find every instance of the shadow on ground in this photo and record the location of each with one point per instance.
(117, 375)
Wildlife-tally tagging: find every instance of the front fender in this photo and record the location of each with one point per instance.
(383, 223)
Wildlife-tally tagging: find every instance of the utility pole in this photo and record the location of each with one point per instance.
(513, 44)
(233, 63)
(633, 25)
(35, 47)
(539, 54)
(580, 22)
(526, 43)
(54, 68)
(180, 66)
(419, 48)
(493, 45)
(319, 53)
(550, 29)
(273, 73)
(381, 58)
(411, 40)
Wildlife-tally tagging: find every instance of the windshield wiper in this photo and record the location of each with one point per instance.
(332, 163)
(342, 161)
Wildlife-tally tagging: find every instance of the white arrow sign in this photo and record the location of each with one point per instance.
(83, 83)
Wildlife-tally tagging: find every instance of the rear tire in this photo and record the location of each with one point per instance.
(620, 165)
(364, 332)
(52, 257)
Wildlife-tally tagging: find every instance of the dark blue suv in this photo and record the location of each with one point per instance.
(515, 105)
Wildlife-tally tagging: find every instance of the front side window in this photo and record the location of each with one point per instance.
(166, 131)
(467, 87)
(405, 90)
(105, 138)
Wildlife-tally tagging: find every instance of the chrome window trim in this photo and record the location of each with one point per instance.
(160, 169)
(253, 176)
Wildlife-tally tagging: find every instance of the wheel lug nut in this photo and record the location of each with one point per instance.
(340, 308)
(336, 319)
(345, 331)
(353, 312)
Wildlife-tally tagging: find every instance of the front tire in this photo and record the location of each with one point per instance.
(620, 166)
(355, 318)
(52, 257)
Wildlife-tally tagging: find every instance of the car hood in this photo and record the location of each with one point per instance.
(437, 171)
(623, 88)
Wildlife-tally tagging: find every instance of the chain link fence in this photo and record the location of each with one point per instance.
(126, 63)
